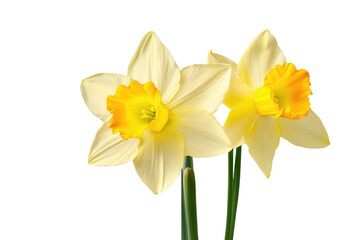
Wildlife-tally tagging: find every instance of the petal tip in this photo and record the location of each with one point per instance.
(156, 192)
(209, 56)
(151, 33)
(266, 31)
(90, 162)
(149, 36)
(266, 34)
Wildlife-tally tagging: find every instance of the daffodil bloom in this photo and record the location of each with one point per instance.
(157, 114)
(269, 99)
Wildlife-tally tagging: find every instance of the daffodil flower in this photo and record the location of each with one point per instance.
(157, 114)
(269, 99)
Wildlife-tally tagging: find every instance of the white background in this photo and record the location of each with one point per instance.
(48, 191)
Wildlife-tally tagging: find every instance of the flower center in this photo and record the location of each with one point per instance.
(285, 93)
(136, 108)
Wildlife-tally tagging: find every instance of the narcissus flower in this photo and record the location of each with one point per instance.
(269, 99)
(157, 114)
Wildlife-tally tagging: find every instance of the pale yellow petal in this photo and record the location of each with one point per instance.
(160, 158)
(203, 86)
(203, 135)
(110, 149)
(97, 88)
(240, 121)
(237, 89)
(262, 141)
(214, 58)
(308, 132)
(152, 61)
(262, 55)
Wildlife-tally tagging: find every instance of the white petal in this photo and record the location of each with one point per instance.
(238, 89)
(240, 121)
(110, 149)
(262, 55)
(160, 158)
(203, 135)
(263, 141)
(308, 132)
(97, 88)
(203, 86)
(152, 61)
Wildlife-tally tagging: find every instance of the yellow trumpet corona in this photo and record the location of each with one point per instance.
(136, 108)
(285, 93)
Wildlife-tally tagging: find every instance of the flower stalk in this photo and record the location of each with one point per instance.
(188, 213)
(230, 191)
(188, 163)
(233, 192)
(183, 215)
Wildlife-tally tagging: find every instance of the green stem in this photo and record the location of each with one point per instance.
(188, 162)
(230, 192)
(183, 215)
(236, 188)
(190, 203)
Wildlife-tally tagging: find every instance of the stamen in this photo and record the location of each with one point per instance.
(149, 114)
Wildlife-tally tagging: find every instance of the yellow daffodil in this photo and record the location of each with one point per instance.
(157, 114)
(269, 99)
